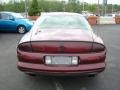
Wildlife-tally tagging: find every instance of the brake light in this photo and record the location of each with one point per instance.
(98, 47)
(25, 46)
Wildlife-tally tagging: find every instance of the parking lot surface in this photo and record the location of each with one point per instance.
(12, 79)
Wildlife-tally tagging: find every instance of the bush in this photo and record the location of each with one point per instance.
(1, 7)
(34, 9)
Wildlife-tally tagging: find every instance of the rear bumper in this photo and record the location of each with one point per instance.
(61, 70)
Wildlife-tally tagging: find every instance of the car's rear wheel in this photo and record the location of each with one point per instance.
(21, 29)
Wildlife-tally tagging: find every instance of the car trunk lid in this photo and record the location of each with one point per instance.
(59, 41)
(62, 35)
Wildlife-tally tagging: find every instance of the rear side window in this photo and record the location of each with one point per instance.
(6, 16)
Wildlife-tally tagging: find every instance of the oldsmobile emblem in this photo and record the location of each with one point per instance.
(62, 48)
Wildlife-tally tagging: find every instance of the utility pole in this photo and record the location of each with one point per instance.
(26, 13)
(112, 8)
(83, 5)
(104, 7)
(98, 8)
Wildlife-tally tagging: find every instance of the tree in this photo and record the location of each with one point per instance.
(73, 6)
(1, 7)
(34, 8)
(37, 6)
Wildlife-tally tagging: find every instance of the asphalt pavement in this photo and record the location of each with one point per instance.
(12, 79)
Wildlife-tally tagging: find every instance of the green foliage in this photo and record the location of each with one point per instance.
(34, 8)
(14, 6)
(1, 7)
(73, 6)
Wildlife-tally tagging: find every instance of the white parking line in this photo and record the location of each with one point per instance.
(57, 84)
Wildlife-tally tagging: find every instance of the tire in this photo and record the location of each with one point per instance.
(21, 29)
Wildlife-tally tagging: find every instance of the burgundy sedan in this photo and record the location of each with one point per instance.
(61, 43)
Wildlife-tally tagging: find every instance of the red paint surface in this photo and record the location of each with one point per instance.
(69, 43)
(55, 47)
(44, 69)
(34, 62)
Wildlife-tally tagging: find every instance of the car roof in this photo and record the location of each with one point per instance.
(6, 12)
(60, 13)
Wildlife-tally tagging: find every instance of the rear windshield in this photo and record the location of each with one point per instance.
(64, 21)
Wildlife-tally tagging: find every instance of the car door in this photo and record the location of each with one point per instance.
(7, 22)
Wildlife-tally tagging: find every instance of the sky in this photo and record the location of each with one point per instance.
(88, 1)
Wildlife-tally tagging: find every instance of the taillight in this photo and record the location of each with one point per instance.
(25, 47)
(98, 47)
